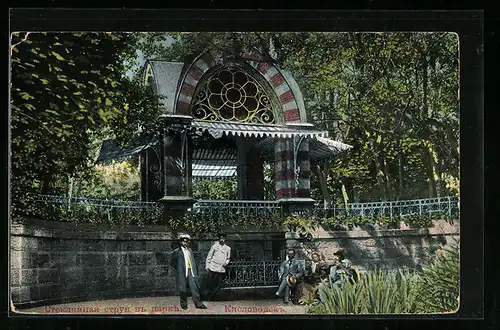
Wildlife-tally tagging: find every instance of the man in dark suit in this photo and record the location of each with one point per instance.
(186, 272)
(290, 274)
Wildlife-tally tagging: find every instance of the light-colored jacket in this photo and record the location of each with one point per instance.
(218, 258)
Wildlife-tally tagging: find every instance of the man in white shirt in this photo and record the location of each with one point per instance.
(217, 259)
(182, 261)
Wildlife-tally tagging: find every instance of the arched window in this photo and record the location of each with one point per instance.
(231, 94)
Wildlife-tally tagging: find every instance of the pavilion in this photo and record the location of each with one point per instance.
(225, 117)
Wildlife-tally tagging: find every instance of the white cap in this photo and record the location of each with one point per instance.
(181, 236)
(346, 262)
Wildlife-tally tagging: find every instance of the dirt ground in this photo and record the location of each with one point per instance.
(166, 305)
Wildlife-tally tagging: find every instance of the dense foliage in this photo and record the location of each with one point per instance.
(440, 289)
(435, 290)
(68, 93)
(392, 96)
(216, 189)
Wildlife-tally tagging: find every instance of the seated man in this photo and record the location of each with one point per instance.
(341, 267)
(290, 274)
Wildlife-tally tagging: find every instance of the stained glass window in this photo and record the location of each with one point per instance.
(232, 95)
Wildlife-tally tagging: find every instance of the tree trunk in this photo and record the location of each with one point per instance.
(424, 86)
(400, 171)
(323, 181)
(70, 191)
(432, 173)
(388, 180)
(379, 173)
(46, 184)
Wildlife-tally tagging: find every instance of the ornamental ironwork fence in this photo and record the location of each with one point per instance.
(80, 209)
(232, 207)
(252, 274)
(441, 206)
(113, 211)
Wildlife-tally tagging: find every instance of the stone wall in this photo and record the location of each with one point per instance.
(60, 262)
(370, 248)
(57, 262)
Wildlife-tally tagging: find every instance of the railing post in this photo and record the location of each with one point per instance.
(449, 207)
(390, 209)
(264, 268)
(420, 207)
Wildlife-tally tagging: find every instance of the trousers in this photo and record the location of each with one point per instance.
(193, 288)
(285, 291)
(214, 283)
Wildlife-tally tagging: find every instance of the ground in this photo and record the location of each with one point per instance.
(167, 305)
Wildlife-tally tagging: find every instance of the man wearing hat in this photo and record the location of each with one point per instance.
(186, 272)
(290, 274)
(217, 259)
(342, 267)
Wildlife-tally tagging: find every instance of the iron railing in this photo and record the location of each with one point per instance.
(110, 209)
(231, 207)
(103, 202)
(252, 274)
(448, 206)
(95, 210)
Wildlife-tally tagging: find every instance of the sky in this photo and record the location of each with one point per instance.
(141, 59)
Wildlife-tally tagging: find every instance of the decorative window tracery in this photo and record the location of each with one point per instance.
(231, 94)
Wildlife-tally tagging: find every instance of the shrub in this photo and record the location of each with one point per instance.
(347, 299)
(434, 290)
(378, 292)
(440, 287)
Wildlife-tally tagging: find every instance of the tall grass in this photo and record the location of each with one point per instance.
(440, 287)
(347, 299)
(435, 290)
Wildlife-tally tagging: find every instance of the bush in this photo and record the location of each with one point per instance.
(434, 290)
(378, 292)
(345, 300)
(440, 287)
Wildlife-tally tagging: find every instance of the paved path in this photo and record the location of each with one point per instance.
(167, 306)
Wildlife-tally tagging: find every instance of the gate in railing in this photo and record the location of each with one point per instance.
(252, 274)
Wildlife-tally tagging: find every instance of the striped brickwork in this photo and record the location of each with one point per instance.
(285, 179)
(191, 79)
(278, 82)
(271, 74)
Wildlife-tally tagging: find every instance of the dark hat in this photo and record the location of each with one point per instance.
(219, 235)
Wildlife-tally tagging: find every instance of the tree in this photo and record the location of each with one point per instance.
(68, 92)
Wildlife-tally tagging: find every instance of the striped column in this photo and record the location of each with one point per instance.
(193, 76)
(303, 161)
(285, 178)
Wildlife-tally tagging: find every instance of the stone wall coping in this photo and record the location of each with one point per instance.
(86, 231)
(439, 228)
(69, 230)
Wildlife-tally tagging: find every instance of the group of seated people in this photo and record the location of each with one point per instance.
(302, 279)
